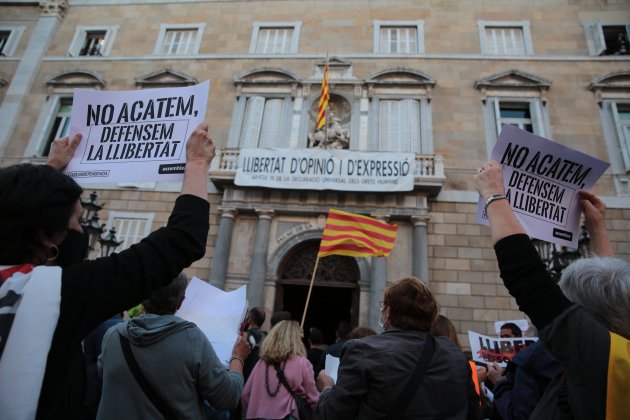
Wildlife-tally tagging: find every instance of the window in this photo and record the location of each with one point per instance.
(179, 39)
(621, 116)
(262, 122)
(9, 38)
(92, 41)
(398, 37)
(399, 125)
(130, 227)
(60, 124)
(275, 38)
(608, 39)
(505, 38)
(516, 114)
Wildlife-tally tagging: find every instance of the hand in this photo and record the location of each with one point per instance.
(489, 180)
(593, 209)
(324, 381)
(241, 348)
(495, 373)
(482, 373)
(62, 150)
(200, 147)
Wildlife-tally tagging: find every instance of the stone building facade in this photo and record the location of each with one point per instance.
(452, 70)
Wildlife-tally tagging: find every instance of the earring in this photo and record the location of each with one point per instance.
(53, 258)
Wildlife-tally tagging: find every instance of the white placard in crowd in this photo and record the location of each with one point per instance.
(521, 323)
(325, 169)
(542, 179)
(331, 367)
(217, 313)
(136, 135)
(489, 350)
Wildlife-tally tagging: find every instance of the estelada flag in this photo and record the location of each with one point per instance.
(355, 235)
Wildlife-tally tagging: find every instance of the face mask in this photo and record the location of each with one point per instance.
(73, 249)
(381, 323)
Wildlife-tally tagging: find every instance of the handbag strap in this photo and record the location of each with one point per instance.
(283, 380)
(149, 391)
(416, 378)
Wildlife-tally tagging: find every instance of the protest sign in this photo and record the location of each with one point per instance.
(487, 349)
(325, 169)
(542, 179)
(136, 135)
(521, 323)
(217, 313)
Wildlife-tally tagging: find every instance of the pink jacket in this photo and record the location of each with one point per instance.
(259, 404)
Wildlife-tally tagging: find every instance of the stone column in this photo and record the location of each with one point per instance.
(26, 72)
(420, 248)
(218, 269)
(258, 268)
(378, 281)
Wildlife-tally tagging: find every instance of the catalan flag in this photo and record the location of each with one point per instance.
(355, 235)
(323, 101)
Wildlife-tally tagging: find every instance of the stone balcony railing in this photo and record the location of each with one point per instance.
(428, 175)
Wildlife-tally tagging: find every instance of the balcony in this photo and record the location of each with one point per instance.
(428, 174)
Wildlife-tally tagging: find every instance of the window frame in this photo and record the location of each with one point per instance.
(146, 217)
(240, 114)
(380, 24)
(13, 39)
(80, 33)
(594, 32)
(528, 46)
(293, 44)
(165, 27)
(45, 124)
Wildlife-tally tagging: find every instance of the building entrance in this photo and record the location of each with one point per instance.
(335, 295)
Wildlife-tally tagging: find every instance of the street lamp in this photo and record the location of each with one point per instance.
(90, 208)
(556, 259)
(94, 231)
(109, 243)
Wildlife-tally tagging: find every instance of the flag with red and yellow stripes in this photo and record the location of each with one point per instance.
(323, 101)
(355, 235)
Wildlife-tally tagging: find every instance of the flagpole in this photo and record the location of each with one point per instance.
(308, 296)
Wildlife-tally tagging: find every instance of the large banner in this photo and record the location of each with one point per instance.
(542, 179)
(322, 169)
(489, 350)
(134, 136)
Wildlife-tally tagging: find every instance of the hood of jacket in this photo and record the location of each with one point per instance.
(148, 329)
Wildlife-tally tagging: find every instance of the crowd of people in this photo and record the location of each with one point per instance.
(66, 353)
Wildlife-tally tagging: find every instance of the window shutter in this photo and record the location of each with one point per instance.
(77, 42)
(623, 134)
(271, 123)
(250, 131)
(409, 117)
(596, 34)
(496, 105)
(385, 118)
(536, 116)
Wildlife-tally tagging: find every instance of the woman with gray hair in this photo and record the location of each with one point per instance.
(584, 319)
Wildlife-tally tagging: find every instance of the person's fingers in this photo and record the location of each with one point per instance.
(75, 140)
(203, 126)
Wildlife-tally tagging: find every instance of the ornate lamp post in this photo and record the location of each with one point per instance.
(556, 259)
(90, 208)
(94, 230)
(109, 243)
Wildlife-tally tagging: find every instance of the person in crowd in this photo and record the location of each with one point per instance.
(254, 336)
(91, 351)
(176, 359)
(584, 319)
(49, 310)
(316, 349)
(376, 374)
(280, 316)
(282, 359)
(510, 330)
(360, 332)
(341, 336)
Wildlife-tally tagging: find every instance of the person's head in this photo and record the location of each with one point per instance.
(409, 304)
(510, 330)
(256, 317)
(360, 332)
(280, 316)
(166, 300)
(602, 287)
(443, 327)
(343, 329)
(39, 207)
(283, 341)
(316, 337)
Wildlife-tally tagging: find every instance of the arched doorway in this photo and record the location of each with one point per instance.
(335, 295)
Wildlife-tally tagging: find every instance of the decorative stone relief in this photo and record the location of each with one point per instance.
(53, 7)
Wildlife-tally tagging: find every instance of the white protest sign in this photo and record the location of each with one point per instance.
(325, 169)
(331, 367)
(136, 135)
(489, 350)
(542, 179)
(521, 323)
(217, 313)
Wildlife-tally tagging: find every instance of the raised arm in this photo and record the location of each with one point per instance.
(200, 151)
(62, 150)
(593, 209)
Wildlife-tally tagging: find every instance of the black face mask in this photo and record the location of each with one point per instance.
(73, 249)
